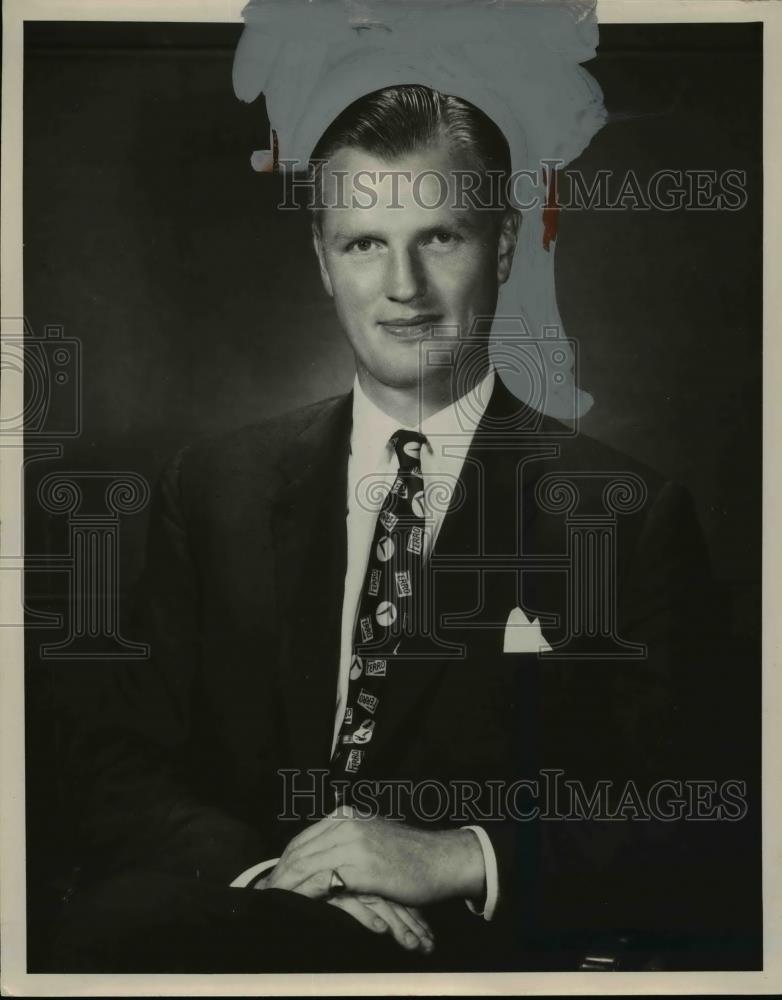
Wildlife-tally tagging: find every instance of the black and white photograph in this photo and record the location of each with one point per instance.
(386, 584)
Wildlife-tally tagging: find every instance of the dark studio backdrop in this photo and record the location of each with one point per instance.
(196, 307)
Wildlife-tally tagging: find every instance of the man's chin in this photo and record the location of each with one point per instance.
(410, 379)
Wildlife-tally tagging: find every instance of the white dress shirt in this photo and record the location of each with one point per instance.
(372, 469)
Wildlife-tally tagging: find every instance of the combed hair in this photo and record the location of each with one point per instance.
(391, 122)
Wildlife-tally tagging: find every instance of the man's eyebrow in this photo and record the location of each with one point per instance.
(357, 235)
(461, 223)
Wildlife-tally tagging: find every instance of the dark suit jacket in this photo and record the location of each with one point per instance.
(243, 671)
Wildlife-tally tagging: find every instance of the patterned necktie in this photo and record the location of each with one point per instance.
(386, 608)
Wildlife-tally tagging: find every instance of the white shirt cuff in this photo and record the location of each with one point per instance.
(250, 874)
(492, 878)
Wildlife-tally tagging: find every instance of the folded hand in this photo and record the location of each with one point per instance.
(382, 858)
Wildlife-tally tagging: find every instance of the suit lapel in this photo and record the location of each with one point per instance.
(470, 601)
(311, 552)
(494, 528)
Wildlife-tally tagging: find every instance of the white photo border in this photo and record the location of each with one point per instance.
(15, 979)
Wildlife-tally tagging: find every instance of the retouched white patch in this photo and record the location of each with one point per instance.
(523, 635)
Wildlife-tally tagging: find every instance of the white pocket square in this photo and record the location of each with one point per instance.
(523, 635)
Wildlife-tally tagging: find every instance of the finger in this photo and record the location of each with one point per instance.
(316, 869)
(327, 823)
(341, 857)
(333, 833)
(332, 837)
(417, 925)
(316, 887)
(312, 832)
(327, 833)
(402, 932)
(410, 914)
(415, 912)
(361, 912)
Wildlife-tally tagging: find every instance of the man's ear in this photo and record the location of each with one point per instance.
(317, 242)
(506, 245)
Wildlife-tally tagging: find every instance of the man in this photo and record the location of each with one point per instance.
(313, 560)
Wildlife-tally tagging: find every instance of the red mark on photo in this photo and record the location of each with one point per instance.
(551, 211)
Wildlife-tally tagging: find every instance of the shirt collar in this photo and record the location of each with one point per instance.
(372, 427)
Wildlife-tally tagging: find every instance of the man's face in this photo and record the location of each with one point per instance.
(408, 262)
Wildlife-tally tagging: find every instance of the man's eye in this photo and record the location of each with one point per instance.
(443, 238)
(360, 246)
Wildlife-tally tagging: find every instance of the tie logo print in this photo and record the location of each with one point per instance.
(368, 701)
(386, 613)
(417, 504)
(386, 609)
(385, 549)
(364, 732)
(376, 668)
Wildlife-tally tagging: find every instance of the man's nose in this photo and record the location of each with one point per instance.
(405, 277)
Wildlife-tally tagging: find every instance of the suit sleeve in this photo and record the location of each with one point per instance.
(140, 807)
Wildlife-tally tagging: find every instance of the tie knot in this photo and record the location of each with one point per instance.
(407, 445)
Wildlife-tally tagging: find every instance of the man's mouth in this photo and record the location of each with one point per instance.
(409, 327)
